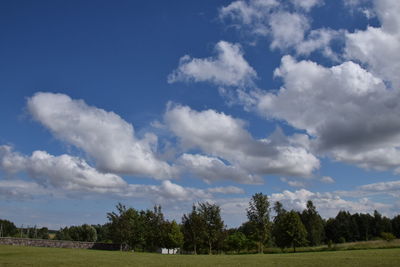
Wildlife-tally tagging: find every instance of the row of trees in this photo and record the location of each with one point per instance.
(8, 228)
(202, 230)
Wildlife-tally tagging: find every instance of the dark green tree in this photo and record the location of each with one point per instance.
(314, 224)
(193, 229)
(213, 223)
(294, 233)
(236, 241)
(258, 214)
(396, 226)
(173, 236)
(7, 228)
(278, 226)
(126, 227)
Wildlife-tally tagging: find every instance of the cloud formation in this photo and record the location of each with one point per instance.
(285, 23)
(350, 111)
(103, 135)
(220, 135)
(228, 68)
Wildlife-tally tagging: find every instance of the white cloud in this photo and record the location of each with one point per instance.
(228, 68)
(103, 135)
(226, 190)
(63, 176)
(307, 4)
(212, 169)
(292, 182)
(346, 98)
(287, 29)
(327, 180)
(62, 172)
(378, 47)
(220, 135)
(328, 204)
(20, 190)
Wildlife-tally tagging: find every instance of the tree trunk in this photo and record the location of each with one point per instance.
(209, 248)
(195, 248)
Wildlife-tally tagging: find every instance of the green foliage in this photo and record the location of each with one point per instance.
(84, 233)
(193, 229)
(173, 236)
(212, 223)
(258, 214)
(236, 241)
(387, 236)
(289, 231)
(7, 228)
(313, 224)
(126, 226)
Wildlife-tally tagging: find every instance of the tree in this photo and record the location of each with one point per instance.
(313, 224)
(396, 226)
(236, 241)
(278, 227)
(7, 228)
(295, 232)
(125, 226)
(153, 222)
(193, 229)
(258, 214)
(173, 237)
(213, 224)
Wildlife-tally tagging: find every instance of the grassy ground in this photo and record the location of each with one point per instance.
(33, 256)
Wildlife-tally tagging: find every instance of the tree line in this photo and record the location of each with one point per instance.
(202, 230)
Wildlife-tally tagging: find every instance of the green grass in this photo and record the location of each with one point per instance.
(34, 256)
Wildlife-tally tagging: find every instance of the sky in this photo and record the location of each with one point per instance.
(180, 102)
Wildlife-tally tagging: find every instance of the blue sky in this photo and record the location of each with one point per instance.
(177, 102)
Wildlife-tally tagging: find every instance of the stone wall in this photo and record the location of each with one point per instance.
(56, 243)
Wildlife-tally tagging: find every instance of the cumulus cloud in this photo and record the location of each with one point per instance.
(327, 180)
(292, 182)
(328, 204)
(212, 169)
(65, 175)
(350, 112)
(220, 135)
(103, 135)
(306, 4)
(228, 68)
(63, 172)
(226, 190)
(377, 47)
(287, 29)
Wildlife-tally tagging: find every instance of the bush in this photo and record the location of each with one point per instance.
(387, 236)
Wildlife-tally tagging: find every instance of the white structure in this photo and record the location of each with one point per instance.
(168, 251)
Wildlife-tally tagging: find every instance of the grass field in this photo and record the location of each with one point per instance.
(34, 256)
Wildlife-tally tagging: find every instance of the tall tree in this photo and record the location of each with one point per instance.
(173, 236)
(295, 232)
(258, 214)
(153, 228)
(213, 223)
(278, 227)
(313, 223)
(7, 228)
(193, 229)
(396, 226)
(125, 226)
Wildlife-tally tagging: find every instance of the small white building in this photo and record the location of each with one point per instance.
(168, 251)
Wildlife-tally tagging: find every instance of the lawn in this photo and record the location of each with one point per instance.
(34, 256)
